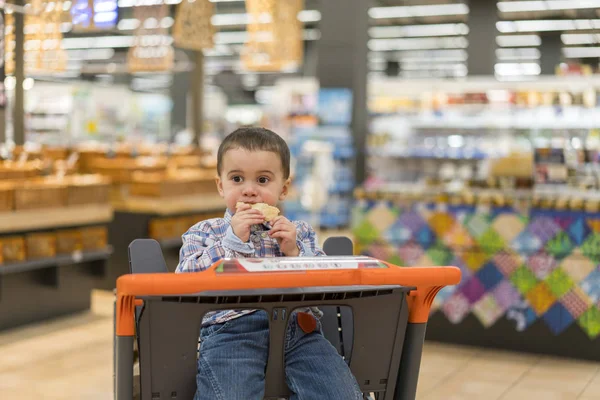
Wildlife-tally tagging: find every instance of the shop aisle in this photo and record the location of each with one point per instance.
(71, 358)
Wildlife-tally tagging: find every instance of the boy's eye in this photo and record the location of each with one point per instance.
(263, 179)
(236, 179)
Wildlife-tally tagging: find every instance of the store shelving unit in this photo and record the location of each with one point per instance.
(38, 289)
(132, 221)
(524, 240)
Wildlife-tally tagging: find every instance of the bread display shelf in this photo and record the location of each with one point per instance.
(58, 261)
(170, 206)
(30, 220)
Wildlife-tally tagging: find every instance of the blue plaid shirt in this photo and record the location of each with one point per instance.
(209, 241)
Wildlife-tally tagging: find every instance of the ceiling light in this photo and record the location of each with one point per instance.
(418, 30)
(517, 69)
(244, 18)
(519, 54)
(547, 25)
(548, 5)
(518, 40)
(97, 42)
(128, 24)
(309, 16)
(230, 19)
(242, 36)
(421, 43)
(418, 11)
(580, 38)
(581, 52)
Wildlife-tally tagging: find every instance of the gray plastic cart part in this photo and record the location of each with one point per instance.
(408, 377)
(169, 329)
(124, 367)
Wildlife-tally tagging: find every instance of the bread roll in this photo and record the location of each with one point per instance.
(268, 211)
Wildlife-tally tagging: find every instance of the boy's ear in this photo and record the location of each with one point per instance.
(285, 189)
(219, 185)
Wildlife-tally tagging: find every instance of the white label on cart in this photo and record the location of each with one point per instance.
(295, 264)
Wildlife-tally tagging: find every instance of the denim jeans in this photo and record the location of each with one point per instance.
(233, 358)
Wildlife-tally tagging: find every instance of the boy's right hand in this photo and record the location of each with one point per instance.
(243, 219)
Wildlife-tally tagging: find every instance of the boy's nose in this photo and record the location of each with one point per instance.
(249, 190)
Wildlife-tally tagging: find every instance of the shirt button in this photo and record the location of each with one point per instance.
(263, 235)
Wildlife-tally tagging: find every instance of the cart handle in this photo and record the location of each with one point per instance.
(427, 280)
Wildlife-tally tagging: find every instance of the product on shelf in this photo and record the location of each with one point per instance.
(19, 169)
(68, 241)
(37, 194)
(7, 196)
(83, 189)
(121, 170)
(13, 248)
(94, 238)
(40, 245)
(172, 183)
(168, 228)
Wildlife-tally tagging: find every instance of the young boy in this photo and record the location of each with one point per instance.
(253, 166)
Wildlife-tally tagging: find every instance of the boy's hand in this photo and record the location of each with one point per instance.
(243, 219)
(285, 233)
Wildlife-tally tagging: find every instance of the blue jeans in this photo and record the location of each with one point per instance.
(233, 359)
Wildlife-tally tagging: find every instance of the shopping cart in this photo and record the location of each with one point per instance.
(376, 316)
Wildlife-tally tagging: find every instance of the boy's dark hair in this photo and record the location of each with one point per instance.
(255, 139)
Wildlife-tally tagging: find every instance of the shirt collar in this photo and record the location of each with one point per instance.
(254, 228)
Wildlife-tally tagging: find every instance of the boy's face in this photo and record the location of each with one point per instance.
(251, 177)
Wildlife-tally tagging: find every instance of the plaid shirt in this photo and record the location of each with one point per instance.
(209, 241)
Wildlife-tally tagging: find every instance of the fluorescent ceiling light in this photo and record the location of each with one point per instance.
(242, 36)
(547, 25)
(518, 40)
(97, 42)
(580, 38)
(418, 30)
(426, 56)
(309, 16)
(421, 74)
(519, 54)
(136, 3)
(90, 54)
(581, 52)
(220, 50)
(415, 44)
(434, 67)
(418, 11)
(439, 60)
(462, 54)
(232, 19)
(548, 5)
(128, 24)
(244, 18)
(517, 69)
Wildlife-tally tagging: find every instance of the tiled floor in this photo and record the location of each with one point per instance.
(72, 359)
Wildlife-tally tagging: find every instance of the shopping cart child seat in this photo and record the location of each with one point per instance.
(389, 310)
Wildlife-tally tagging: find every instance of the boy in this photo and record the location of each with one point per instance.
(253, 166)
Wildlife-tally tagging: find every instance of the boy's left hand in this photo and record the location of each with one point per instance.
(284, 232)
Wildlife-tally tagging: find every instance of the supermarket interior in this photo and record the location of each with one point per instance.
(432, 133)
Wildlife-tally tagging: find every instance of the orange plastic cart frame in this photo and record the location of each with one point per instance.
(427, 280)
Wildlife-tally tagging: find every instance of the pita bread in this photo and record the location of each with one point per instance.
(268, 211)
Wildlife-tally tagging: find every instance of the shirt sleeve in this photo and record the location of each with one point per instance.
(306, 238)
(202, 247)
